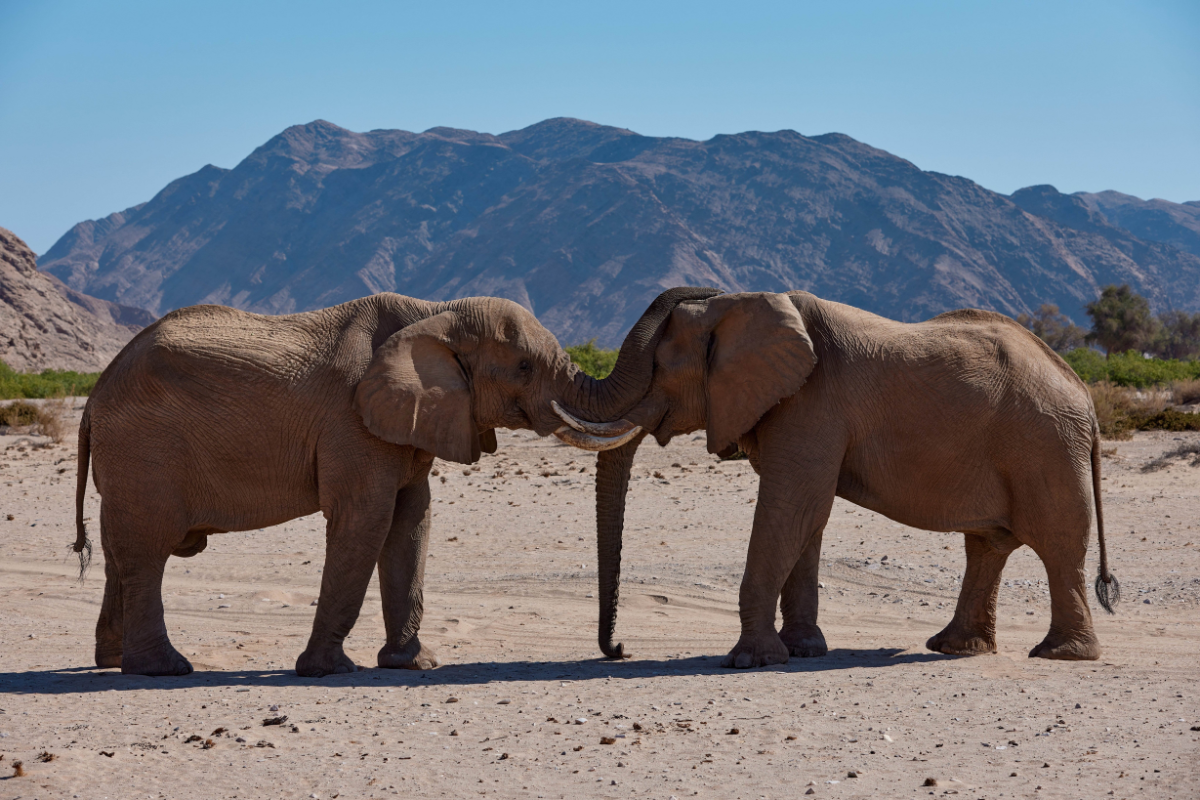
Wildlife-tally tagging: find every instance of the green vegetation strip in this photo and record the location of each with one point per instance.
(1130, 369)
(1123, 369)
(49, 383)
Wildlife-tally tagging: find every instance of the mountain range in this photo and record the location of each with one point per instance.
(584, 224)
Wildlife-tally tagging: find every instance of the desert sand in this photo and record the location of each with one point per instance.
(524, 706)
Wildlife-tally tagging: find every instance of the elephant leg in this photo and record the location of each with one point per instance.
(798, 604)
(110, 624)
(402, 579)
(140, 557)
(1071, 636)
(972, 631)
(786, 520)
(354, 537)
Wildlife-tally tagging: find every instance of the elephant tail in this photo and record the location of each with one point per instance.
(83, 545)
(1108, 590)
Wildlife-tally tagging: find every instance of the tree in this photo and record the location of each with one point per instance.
(1054, 328)
(1178, 335)
(1121, 320)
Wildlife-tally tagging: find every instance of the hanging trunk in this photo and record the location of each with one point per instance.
(612, 484)
(607, 399)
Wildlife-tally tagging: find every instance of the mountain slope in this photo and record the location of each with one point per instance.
(46, 325)
(1176, 224)
(584, 224)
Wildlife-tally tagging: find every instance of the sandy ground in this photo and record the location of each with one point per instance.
(523, 705)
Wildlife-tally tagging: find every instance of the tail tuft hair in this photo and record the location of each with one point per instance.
(1108, 592)
(83, 546)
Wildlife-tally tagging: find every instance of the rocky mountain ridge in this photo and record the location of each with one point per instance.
(47, 325)
(584, 224)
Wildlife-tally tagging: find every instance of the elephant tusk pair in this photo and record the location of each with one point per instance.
(595, 436)
(602, 429)
(585, 441)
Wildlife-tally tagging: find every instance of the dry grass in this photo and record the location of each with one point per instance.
(1115, 405)
(49, 419)
(1186, 392)
(1184, 450)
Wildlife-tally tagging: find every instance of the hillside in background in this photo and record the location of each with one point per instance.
(584, 224)
(46, 325)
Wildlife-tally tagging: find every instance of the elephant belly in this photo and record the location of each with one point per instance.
(970, 496)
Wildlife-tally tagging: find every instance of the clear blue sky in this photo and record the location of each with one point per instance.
(101, 104)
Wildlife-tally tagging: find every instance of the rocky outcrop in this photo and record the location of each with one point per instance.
(585, 224)
(46, 325)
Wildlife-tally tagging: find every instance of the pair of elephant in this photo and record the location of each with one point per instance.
(214, 420)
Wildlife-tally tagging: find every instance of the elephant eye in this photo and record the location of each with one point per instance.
(524, 366)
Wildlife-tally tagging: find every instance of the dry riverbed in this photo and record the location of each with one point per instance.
(524, 707)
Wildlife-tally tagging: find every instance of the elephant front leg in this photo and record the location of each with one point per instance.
(798, 604)
(402, 580)
(353, 542)
(973, 629)
(785, 522)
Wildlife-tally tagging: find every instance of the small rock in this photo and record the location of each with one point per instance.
(930, 782)
(811, 791)
(887, 738)
(1078, 706)
(851, 774)
(733, 732)
(580, 721)
(820, 584)
(503, 702)
(454, 732)
(273, 708)
(607, 740)
(313, 603)
(451, 699)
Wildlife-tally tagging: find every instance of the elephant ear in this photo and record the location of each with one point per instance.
(415, 393)
(759, 354)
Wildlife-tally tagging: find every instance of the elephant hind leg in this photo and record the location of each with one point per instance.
(1071, 636)
(109, 625)
(136, 558)
(972, 631)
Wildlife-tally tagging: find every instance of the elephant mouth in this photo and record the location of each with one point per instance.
(594, 436)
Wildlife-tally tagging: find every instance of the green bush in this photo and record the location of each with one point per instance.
(47, 383)
(595, 361)
(1130, 369)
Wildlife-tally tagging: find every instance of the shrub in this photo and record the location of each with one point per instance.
(1130, 369)
(47, 383)
(1186, 392)
(595, 361)
(48, 419)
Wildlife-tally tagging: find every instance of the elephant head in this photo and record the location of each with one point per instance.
(443, 383)
(721, 364)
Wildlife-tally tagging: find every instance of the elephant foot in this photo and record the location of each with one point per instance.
(317, 663)
(108, 657)
(163, 661)
(1083, 647)
(757, 651)
(954, 642)
(804, 641)
(411, 655)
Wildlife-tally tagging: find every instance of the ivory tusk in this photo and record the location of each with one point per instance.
(585, 441)
(604, 429)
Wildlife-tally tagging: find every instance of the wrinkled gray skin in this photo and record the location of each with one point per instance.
(966, 422)
(214, 420)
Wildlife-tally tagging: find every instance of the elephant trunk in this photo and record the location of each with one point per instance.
(612, 484)
(607, 399)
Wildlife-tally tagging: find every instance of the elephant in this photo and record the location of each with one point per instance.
(214, 420)
(966, 422)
